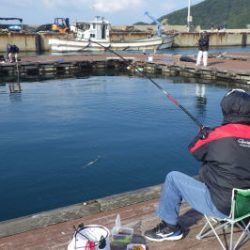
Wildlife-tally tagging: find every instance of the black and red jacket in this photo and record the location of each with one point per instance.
(225, 152)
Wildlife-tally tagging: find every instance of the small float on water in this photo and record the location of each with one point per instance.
(96, 36)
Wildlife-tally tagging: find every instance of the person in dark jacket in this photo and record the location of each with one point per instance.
(225, 155)
(203, 49)
(12, 51)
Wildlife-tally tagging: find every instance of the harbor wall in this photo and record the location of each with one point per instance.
(128, 36)
(25, 41)
(28, 42)
(218, 39)
(36, 42)
(45, 36)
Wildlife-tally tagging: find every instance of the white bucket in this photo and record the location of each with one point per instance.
(90, 237)
(150, 59)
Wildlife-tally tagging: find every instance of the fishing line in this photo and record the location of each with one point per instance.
(170, 97)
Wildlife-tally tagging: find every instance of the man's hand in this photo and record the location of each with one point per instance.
(204, 131)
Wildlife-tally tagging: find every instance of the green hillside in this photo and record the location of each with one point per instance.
(231, 13)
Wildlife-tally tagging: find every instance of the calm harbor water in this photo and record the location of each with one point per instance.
(72, 140)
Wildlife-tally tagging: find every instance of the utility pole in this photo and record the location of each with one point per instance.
(189, 17)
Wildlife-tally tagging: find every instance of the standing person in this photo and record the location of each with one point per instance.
(225, 155)
(12, 51)
(203, 49)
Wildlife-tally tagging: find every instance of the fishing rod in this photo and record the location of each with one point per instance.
(168, 95)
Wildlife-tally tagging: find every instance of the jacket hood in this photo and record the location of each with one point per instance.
(235, 107)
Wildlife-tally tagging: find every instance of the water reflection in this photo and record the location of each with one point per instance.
(201, 100)
(15, 87)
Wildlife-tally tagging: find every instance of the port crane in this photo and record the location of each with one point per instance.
(159, 25)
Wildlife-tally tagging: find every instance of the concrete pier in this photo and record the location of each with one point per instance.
(230, 68)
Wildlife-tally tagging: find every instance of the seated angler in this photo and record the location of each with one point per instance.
(225, 155)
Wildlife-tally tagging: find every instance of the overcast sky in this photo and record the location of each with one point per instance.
(118, 12)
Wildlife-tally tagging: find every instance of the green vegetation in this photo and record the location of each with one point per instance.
(140, 23)
(230, 13)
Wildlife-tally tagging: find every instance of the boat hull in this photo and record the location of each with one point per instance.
(154, 43)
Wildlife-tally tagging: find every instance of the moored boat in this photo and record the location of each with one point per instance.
(96, 36)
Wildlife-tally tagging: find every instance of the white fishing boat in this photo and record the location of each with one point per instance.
(95, 36)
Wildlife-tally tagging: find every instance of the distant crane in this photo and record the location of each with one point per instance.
(159, 25)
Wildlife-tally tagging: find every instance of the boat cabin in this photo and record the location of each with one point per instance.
(96, 30)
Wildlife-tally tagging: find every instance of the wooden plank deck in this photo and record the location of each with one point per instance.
(139, 216)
